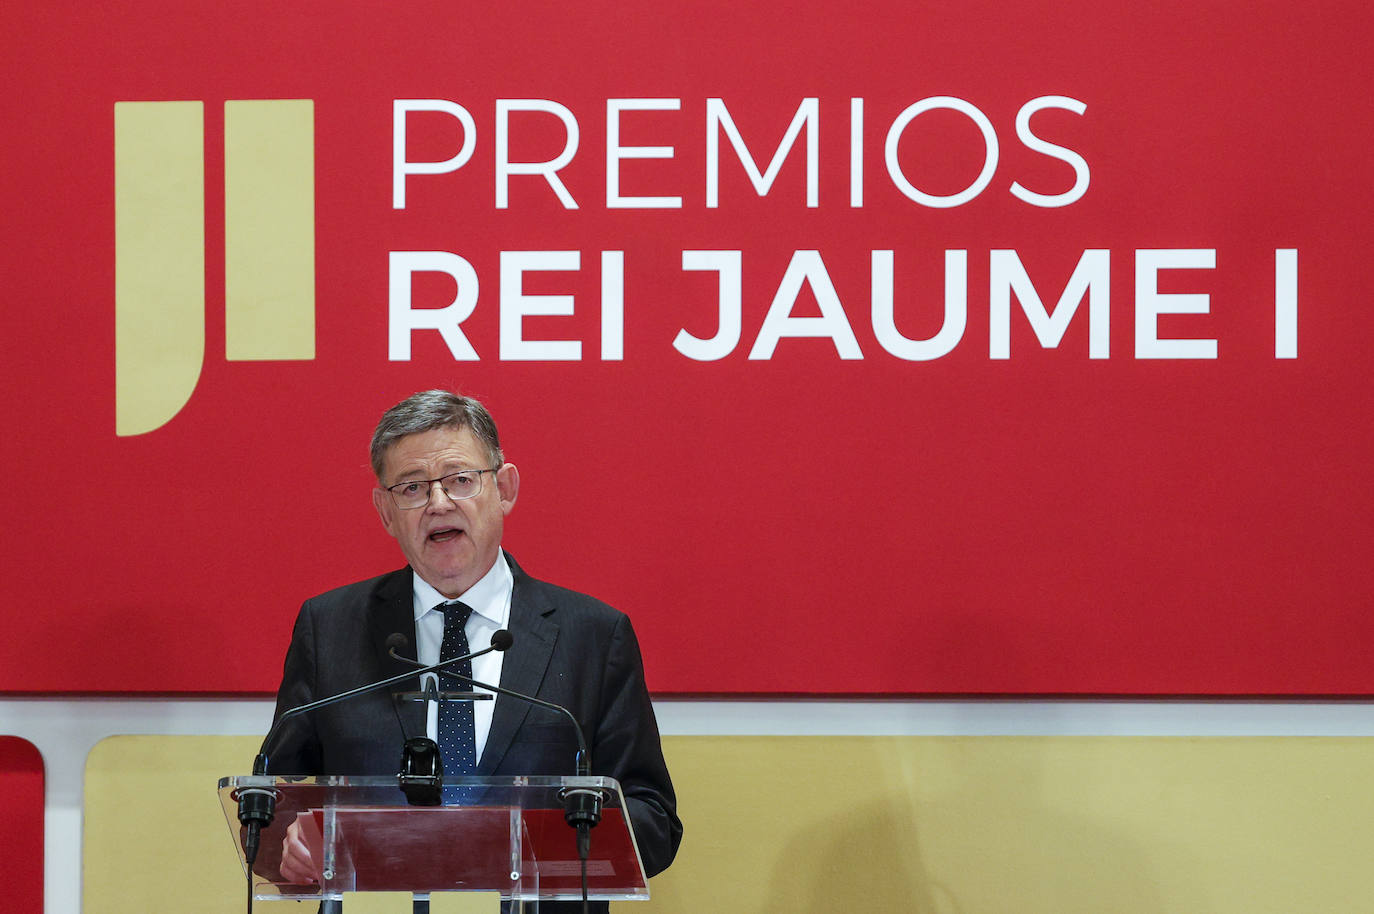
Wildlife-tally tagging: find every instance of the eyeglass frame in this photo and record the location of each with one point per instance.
(429, 488)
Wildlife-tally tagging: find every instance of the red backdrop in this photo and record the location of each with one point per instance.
(806, 522)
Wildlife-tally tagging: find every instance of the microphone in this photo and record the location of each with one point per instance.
(257, 805)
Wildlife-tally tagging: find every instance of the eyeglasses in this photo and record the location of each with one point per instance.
(457, 486)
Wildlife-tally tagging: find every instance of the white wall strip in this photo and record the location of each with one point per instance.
(66, 729)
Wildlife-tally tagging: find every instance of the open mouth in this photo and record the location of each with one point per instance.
(445, 535)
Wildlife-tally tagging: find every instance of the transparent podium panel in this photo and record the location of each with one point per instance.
(505, 835)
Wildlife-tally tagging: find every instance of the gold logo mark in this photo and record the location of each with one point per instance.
(269, 246)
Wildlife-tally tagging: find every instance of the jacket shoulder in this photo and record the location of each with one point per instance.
(553, 601)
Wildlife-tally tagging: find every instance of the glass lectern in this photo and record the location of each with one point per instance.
(498, 834)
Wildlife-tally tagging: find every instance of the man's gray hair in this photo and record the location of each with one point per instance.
(431, 409)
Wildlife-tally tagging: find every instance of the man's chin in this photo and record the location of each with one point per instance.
(452, 574)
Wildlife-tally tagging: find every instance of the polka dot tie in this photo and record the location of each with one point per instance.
(457, 739)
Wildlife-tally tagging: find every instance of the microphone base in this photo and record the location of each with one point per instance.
(422, 772)
(582, 806)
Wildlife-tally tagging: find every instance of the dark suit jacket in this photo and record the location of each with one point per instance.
(569, 649)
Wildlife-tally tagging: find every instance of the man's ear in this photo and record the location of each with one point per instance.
(508, 485)
(381, 500)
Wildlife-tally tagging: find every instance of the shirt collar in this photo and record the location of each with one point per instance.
(488, 598)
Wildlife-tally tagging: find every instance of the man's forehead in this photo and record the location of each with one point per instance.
(440, 447)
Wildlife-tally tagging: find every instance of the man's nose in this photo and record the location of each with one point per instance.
(439, 500)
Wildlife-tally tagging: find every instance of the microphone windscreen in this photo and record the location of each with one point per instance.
(502, 640)
(396, 642)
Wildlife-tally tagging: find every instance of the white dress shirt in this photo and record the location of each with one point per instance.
(489, 599)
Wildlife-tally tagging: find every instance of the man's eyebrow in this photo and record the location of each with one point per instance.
(445, 469)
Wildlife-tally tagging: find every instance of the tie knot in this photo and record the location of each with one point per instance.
(455, 613)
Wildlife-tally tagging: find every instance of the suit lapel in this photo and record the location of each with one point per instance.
(393, 610)
(522, 669)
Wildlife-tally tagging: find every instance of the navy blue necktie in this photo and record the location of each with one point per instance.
(457, 731)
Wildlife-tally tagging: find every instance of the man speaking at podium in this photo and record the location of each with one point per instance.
(443, 491)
